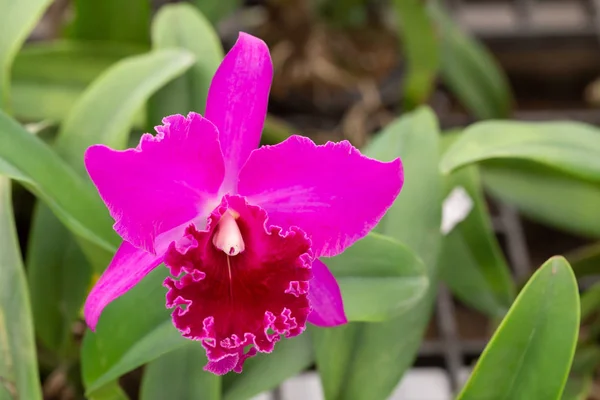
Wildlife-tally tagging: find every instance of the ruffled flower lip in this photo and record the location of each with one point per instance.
(238, 305)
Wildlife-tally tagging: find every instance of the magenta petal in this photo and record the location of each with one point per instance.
(332, 192)
(237, 102)
(325, 298)
(167, 181)
(129, 266)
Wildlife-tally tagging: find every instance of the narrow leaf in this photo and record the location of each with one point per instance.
(180, 26)
(536, 339)
(26, 158)
(470, 71)
(133, 330)
(569, 147)
(546, 195)
(59, 276)
(106, 110)
(18, 362)
(420, 49)
(266, 371)
(112, 20)
(414, 220)
(17, 19)
(471, 262)
(379, 278)
(180, 375)
(49, 93)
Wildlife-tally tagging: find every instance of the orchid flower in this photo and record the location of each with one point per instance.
(241, 228)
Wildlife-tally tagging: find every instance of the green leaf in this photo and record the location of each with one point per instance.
(414, 220)
(179, 374)
(58, 275)
(470, 70)
(578, 388)
(17, 19)
(26, 158)
(18, 364)
(546, 195)
(585, 362)
(570, 147)
(111, 391)
(106, 110)
(379, 278)
(56, 262)
(49, 93)
(112, 20)
(471, 262)
(266, 371)
(180, 26)
(420, 49)
(585, 260)
(133, 330)
(216, 10)
(590, 301)
(530, 354)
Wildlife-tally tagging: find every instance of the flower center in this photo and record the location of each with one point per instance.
(228, 237)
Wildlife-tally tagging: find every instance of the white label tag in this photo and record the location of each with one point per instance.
(456, 208)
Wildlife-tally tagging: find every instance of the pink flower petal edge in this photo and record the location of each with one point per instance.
(333, 192)
(127, 268)
(166, 181)
(325, 298)
(237, 102)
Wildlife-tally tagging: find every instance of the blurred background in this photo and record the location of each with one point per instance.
(344, 69)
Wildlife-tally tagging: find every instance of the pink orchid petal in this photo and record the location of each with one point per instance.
(128, 267)
(167, 181)
(237, 102)
(325, 298)
(332, 192)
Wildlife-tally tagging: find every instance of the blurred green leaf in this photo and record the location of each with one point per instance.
(420, 49)
(470, 71)
(180, 26)
(530, 354)
(111, 391)
(266, 371)
(414, 220)
(69, 62)
(577, 388)
(471, 262)
(49, 93)
(590, 301)
(111, 20)
(276, 131)
(17, 19)
(58, 275)
(133, 330)
(216, 10)
(105, 112)
(179, 374)
(585, 260)
(585, 362)
(18, 365)
(546, 195)
(26, 158)
(56, 264)
(379, 278)
(570, 147)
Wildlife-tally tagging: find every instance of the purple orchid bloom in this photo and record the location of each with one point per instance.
(241, 228)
